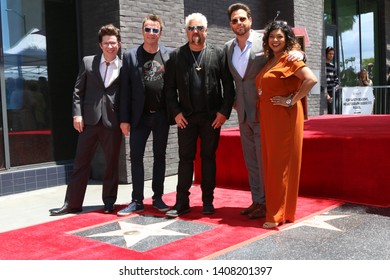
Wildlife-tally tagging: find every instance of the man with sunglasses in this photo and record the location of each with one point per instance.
(246, 58)
(143, 111)
(199, 107)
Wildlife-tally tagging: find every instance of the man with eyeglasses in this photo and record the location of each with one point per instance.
(95, 117)
(143, 111)
(246, 58)
(199, 106)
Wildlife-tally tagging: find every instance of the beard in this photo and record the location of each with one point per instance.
(241, 31)
(197, 40)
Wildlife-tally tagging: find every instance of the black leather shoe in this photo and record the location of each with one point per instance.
(208, 209)
(109, 208)
(177, 212)
(65, 209)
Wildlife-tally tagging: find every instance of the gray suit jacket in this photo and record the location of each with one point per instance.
(246, 93)
(91, 99)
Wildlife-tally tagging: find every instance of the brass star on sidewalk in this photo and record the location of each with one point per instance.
(319, 222)
(133, 233)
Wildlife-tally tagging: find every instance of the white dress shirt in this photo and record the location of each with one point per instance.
(240, 58)
(112, 70)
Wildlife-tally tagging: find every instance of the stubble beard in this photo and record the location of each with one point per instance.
(242, 31)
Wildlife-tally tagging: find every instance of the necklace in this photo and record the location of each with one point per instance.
(198, 68)
(267, 67)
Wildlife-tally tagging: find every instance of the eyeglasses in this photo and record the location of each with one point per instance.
(106, 44)
(199, 28)
(154, 30)
(241, 19)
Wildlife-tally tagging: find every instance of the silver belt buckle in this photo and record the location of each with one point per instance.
(152, 112)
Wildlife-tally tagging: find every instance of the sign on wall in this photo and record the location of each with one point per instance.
(357, 100)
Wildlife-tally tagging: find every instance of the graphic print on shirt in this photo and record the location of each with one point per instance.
(153, 70)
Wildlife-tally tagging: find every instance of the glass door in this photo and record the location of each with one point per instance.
(25, 95)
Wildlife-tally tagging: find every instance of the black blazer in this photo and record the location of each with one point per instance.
(217, 76)
(132, 93)
(91, 99)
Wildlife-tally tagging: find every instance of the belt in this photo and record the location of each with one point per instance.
(153, 111)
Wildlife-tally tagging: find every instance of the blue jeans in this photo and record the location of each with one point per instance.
(158, 124)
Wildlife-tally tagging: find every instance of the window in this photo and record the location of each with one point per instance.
(26, 91)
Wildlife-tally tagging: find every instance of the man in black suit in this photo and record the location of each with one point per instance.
(195, 76)
(143, 111)
(95, 109)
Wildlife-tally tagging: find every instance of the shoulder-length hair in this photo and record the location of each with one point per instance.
(291, 41)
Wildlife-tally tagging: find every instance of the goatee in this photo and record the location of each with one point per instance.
(197, 40)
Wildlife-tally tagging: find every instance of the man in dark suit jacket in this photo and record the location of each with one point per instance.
(95, 107)
(196, 74)
(143, 110)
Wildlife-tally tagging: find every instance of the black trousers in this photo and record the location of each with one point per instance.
(157, 124)
(110, 141)
(199, 127)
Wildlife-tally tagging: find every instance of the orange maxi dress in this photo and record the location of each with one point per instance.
(281, 139)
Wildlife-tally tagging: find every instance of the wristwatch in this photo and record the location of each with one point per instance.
(289, 102)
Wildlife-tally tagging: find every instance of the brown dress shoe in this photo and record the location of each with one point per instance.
(250, 209)
(258, 213)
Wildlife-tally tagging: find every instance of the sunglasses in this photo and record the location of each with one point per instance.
(241, 19)
(154, 30)
(199, 28)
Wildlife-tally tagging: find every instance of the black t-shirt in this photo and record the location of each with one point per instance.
(197, 81)
(153, 72)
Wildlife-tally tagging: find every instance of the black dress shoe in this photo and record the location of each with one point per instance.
(65, 209)
(208, 209)
(178, 211)
(109, 208)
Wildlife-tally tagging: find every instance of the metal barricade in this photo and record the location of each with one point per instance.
(381, 103)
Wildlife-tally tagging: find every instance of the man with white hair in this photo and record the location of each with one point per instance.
(199, 106)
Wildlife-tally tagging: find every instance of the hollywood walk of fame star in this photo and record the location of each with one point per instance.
(133, 233)
(319, 222)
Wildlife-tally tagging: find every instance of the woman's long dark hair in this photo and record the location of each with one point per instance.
(291, 41)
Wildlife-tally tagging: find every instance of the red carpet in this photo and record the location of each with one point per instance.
(344, 157)
(224, 230)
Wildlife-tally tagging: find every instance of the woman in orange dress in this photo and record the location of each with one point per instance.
(281, 85)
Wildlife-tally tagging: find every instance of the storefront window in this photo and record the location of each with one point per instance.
(349, 42)
(26, 82)
(329, 12)
(369, 19)
(356, 27)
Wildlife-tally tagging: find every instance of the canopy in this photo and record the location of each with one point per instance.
(29, 51)
(27, 58)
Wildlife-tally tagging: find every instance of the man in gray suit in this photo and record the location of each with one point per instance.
(95, 117)
(246, 58)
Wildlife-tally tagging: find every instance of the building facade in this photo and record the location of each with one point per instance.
(43, 41)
